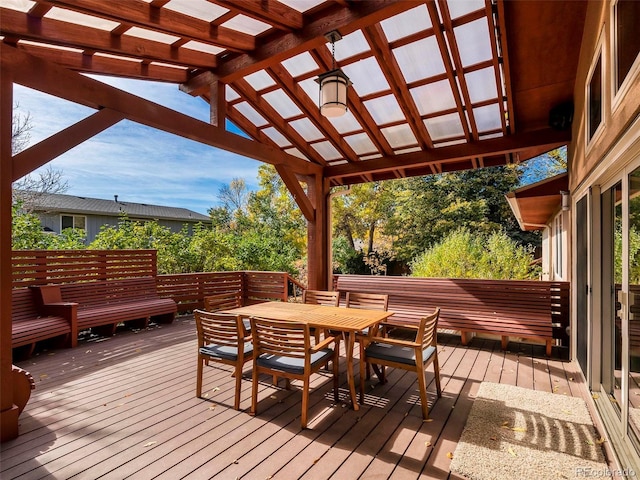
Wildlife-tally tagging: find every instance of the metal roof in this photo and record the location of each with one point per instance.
(60, 203)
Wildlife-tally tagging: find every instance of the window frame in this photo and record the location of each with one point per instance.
(619, 93)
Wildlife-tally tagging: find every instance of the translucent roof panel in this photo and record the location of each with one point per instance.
(300, 64)
(371, 157)
(361, 143)
(345, 123)
(151, 35)
(458, 8)
(203, 47)
(306, 129)
(419, 60)
(282, 104)
(474, 42)
(490, 135)
(481, 85)
(366, 76)
(399, 135)
(80, 19)
(350, 45)
(252, 115)
(200, 9)
(302, 5)
(296, 153)
(443, 127)
(20, 5)
(327, 151)
(487, 117)
(277, 137)
(406, 23)
(433, 97)
(260, 80)
(408, 150)
(230, 94)
(450, 143)
(247, 25)
(384, 109)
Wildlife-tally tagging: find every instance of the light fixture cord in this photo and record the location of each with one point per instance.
(333, 53)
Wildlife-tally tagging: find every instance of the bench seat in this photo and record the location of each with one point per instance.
(102, 305)
(31, 324)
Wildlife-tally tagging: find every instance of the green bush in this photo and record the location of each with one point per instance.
(462, 254)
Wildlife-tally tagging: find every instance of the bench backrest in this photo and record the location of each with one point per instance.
(111, 291)
(410, 298)
(23, 305)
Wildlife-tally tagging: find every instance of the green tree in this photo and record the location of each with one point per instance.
(462, 254)
(431, 207)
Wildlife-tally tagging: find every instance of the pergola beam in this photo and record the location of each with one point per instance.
(48, 149)
(545, 140)
(77, 88)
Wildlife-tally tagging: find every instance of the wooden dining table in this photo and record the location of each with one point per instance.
(347, 321)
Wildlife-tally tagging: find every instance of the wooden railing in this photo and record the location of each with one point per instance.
(189, 289)
(40, 267)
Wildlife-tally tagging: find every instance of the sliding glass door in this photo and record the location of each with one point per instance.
(620, 319)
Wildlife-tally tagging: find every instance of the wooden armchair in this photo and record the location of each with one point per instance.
(283, 349)
(223, 301)
(371, 301)
(409, 355)
(221, 338)
(320, 297)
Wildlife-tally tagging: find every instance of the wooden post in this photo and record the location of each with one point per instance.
(318, 231)
(8, 410)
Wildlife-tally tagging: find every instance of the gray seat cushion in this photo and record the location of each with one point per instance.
(395, 353)
(224, 352)
(294, 365)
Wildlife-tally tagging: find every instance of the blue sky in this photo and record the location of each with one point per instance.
(135, 162)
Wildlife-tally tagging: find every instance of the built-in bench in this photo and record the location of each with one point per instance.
(32, 323)
(507, 308)
(102, 305)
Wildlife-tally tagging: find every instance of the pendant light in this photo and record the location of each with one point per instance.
(333, 84)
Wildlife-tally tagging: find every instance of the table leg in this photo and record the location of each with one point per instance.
(350, 340)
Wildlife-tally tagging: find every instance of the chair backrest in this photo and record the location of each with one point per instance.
(223, 301)
(222, 329)
(427, 331)
(321, 297)
(273, 337)
(370, 301)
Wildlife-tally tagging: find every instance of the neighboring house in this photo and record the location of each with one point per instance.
(57, 212)
(545, 206)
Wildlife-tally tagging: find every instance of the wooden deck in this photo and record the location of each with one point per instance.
(126, 407)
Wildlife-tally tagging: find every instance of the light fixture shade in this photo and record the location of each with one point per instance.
(333, 93)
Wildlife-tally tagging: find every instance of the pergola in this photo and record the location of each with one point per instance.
(438, 86)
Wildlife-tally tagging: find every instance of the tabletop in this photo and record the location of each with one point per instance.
(320, 316)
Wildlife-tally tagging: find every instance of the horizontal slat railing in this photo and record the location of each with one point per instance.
(40, 267)
(189, 289)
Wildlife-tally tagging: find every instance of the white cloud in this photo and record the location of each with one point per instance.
(135, 162)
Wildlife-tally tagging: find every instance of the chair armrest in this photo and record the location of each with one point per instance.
(323, 344)
(394, 341)
(60, 309)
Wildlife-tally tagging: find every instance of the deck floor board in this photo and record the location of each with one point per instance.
(125, 407)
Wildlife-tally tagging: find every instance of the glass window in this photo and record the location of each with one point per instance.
(558, 248)
(627, 19)
(73, 221)
(594, 98)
